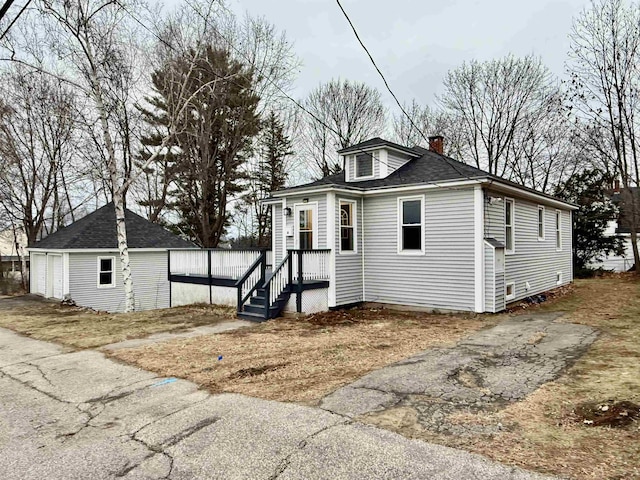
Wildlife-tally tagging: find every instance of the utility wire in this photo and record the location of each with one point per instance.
(5, 7)
(386, 84)
(15, 19)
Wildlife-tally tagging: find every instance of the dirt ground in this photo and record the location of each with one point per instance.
(80, 328)
(557, 429)
(303, 359)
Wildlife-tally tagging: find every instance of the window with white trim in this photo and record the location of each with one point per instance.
(540, 222)
(509, 233)
(364, 164)
(558, 230)
(347, 226)
(510, 291)
(411, 219)
(106, 273)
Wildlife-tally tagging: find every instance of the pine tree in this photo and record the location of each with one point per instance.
(268, 175)
(589, 191)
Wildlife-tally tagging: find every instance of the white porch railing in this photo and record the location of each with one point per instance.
(223, 263)
(314, 266)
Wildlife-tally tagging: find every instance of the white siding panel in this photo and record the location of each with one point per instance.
(395, 160)
(441, 278)
(348, 275)
(277, 223)
(535, 262)
(149, 272)
(489, 279)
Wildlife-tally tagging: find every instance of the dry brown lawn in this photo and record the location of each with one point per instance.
(544, 432)
(80, 328)
(303, 359)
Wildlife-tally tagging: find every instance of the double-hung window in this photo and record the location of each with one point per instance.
(364, 164)
(411, 223)
(509, 232)
(106, 272)
(347, 226)
(540, 222)
(558, 230)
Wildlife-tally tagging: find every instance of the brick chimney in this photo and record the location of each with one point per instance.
(436, 144)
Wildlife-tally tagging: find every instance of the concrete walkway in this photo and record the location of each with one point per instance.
(81, 415)
(484, 371)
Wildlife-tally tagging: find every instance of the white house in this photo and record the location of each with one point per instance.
(410, 226)
(81, 261)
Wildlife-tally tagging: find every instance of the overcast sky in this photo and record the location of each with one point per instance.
(415, 42)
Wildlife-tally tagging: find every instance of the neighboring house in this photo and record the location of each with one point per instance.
(620, 227)
(81, 261)
(12, 249)
(409, 226)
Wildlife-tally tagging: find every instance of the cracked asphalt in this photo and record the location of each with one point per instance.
(66, 415)
(483, 372)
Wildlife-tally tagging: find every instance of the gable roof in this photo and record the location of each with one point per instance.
(376, 142)
(428, 168)
(98, 230)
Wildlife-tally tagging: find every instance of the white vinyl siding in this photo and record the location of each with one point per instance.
(149, 273)
(348, 266)
(277, 233)
(395, 160)
(534, 261)
(443, 277)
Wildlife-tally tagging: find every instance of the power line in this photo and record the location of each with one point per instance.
(5, 7)
(15, 19)
(386, 84)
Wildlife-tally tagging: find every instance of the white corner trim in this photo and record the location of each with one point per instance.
(284, 228)
(478, 224)
(65, 274)
(331, 234)
(364, 290)
(383, 161)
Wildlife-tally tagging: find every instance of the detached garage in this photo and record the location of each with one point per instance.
(82, 262)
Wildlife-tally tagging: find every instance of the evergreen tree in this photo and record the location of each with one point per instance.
(269, 173)
(589, 190)
(212, 139)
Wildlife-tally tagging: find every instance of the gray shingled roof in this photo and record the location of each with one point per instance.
(98, 230)
(429, 168)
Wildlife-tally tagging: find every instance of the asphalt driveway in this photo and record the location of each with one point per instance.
(484, 371)
(80, 415)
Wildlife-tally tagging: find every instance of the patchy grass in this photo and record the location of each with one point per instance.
(547, 431)
(81, 328)
(303, 359)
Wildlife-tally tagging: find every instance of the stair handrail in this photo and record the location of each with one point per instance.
(261, 262)
(267, 283)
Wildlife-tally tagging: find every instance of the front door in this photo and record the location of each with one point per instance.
(306, 226)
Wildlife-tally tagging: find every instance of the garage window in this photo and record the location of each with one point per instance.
(106, 274)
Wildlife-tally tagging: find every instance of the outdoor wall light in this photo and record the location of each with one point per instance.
(287, 211)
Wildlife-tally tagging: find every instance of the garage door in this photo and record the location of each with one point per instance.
(56, 264)
(39, 272)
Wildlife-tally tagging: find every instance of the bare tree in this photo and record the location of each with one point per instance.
(37, 126)
(604, 64)
(348, 113)
(490, 102)
(429, 121)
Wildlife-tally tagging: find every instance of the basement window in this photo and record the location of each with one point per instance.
(106, 273)
(510, 291)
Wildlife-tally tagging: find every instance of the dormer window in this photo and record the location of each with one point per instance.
(364, 164)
